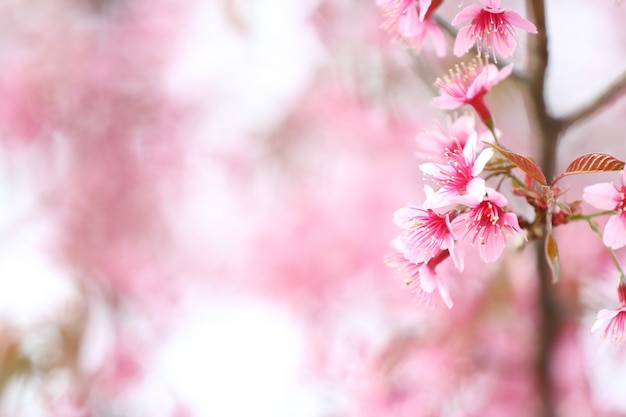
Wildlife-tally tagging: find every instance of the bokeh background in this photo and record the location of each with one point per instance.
(196, 199)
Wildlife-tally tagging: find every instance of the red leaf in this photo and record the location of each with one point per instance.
(523, 163)
(594, 162)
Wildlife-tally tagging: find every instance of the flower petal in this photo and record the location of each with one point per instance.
(516, 20)
(466, 15)
(464, 41)
(603, 196)
(615, 231)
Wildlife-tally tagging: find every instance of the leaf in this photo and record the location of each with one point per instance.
(594, 162)
(552, 256)
(525, 164)
(499, 163)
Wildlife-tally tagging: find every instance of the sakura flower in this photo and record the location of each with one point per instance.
(468, 84)
(434, 143)
(491, 27)
(614, 320)
(459, 176)
(427, 232)
(420, 277)
(410, 21)
(606, 196)
(488, 223)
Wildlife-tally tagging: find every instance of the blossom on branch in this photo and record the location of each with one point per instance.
(432, 144)
(427, 232)
(459, 176)
(491, 27)
(409, 21)
(420, 277)
(488, 224)
(606, 196)
(468, 84)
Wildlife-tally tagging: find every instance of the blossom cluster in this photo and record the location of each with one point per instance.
(463, 207)
(463, 210)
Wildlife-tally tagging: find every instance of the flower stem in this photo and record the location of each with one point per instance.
(595, 228)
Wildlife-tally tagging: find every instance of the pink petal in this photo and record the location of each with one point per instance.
(481, 161)
(603, 196)
(476, 189)
(466, 15)
(409, 25)
(438, 38)
(424, 6)
(456, 253)
(428, 279)
(491, 4)
(497, 198)
(516, 20)
(505, 46)
(497, 76)
(464, 41)
(603, 316)
(492, 248)
(615, 231)
(403, 217)
(429, 168)
(447, 102)
(469, 150)
(511, 220)
(444, 293)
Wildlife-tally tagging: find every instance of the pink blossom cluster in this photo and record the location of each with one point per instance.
(491, 27)
(463, 210)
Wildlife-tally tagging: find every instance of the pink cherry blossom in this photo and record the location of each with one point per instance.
(614, 321)
(468, 84)
(606, 196)
(460, 175)
(409, 21)
(491, 27)
(427, 232)
(487, 222)
(420, 277)
(433, 143)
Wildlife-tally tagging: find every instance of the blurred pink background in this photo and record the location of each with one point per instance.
(197, 199)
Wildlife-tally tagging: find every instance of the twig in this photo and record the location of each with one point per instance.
(612, 93)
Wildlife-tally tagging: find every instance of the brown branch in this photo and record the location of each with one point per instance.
(548, 133)
(610, 94)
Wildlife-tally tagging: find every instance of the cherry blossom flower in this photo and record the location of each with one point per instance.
(606, 196)
(491, 27)
(460, 175)
(410, 21)
(614, 321)
(420, 277)
(427, 232)
(468, 84)
(488, 223)
(433, 143)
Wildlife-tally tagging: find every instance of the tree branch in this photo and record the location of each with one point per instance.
(612, 93)
(548, 133)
